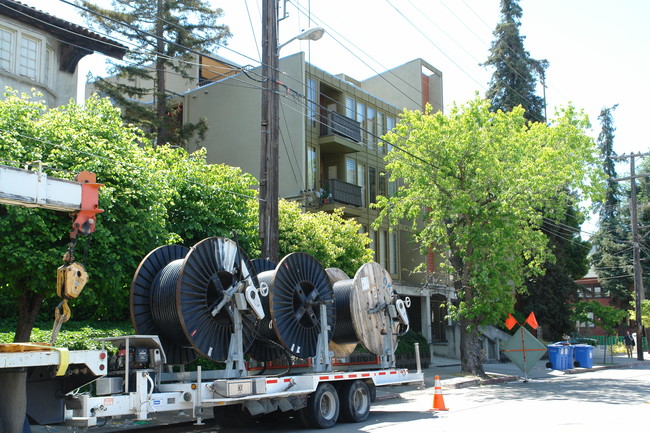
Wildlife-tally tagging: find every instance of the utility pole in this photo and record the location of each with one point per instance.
(638, 278)
(269, 155)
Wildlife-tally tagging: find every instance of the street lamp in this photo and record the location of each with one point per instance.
(312, 34)
(269, 152)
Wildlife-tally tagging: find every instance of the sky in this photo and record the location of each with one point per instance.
(598, 50)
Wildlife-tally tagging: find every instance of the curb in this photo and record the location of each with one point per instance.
(606, 367)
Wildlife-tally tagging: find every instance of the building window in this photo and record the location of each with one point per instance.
(392, 257)
(311, 101)
(390, 125)
(381, 131)
(372, 182)
(382, 248)
(49, 58)
(370, 126)
(361, 179)
(27, 58)
(392, 188)
(6, 43)
(381, 184)
(311, 167)
(361, 118)
(349, 108)
(350, 170)
(589, 324)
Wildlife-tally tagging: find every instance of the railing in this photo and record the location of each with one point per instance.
(335, 123)
(343, 192)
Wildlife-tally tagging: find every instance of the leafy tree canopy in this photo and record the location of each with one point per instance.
(605, 316)
(479, 180)
(164, 36)
(144, 188)
(333, 240)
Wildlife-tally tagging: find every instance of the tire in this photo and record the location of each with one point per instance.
(233, 416)
(322, 409)
(355, 401)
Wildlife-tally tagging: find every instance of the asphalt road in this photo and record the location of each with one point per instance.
(596, 401)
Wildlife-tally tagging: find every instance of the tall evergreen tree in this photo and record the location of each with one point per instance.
(547, 294)
(165, 35)
(514, 80)
(612, 256)
(514, 83)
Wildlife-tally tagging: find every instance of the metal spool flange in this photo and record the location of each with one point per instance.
(344, 340)
(147, 276)
(210, 268)
(298, 287)
(263, 265)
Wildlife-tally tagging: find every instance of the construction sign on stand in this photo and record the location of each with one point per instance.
(523, 349)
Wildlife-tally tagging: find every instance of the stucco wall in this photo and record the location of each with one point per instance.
(232, 109)
(403, 85)
(57, 88)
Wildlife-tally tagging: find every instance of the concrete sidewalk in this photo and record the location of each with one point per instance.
(450, 376)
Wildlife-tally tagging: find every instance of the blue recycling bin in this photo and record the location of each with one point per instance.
(560, 356)
(584, 355)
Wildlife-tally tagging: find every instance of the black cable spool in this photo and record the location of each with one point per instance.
(344, 332)
(297, 288)
(211, 267)
(344, 340)
(144, 287)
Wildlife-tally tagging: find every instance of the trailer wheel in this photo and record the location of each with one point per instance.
(355, 401)
(233, 416)
(322, 409)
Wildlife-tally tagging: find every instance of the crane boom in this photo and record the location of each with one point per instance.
(29, 188)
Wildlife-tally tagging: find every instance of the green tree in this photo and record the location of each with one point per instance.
(612, 257)
(478, 179)
(605, 316)
(547, 294)
(514, 80)
(333, 240)
(166, 34)
(514, 83)
(151, 196)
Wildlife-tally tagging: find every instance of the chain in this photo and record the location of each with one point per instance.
(68, 257)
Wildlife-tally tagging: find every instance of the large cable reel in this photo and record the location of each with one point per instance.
(298, 286)
(189, 298)
(368, 309)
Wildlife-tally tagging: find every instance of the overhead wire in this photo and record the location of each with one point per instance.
(368, 132)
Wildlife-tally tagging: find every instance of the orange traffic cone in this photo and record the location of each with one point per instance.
(438, 401)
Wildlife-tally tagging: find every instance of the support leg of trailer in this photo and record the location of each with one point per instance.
(13, 400)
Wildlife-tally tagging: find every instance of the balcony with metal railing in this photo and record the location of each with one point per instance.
(344, 192)
(338, 133)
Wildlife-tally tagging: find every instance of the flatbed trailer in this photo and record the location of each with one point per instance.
(319, 398)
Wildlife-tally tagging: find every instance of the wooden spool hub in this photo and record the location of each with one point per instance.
(372, 290)
(340, 350)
